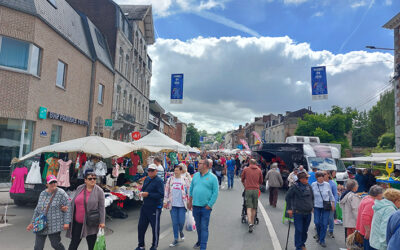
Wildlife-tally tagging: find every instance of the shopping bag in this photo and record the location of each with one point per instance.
(100, 241)
(190, 223)
(266, 186)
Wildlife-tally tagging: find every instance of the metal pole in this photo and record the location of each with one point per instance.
(22, 139)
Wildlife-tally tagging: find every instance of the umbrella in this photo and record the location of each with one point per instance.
(157, 141)
(93, 145)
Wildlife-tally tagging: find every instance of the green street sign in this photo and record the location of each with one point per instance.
(108, 122)
(42, 113)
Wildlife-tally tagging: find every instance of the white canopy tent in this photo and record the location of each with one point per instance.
(157, 141)
(93, 145)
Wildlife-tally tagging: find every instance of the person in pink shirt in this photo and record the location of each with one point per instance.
(365, 214)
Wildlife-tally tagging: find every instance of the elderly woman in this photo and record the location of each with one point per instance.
(322, 194)
(53, 202)
(87, 211)
(176, 195)
(383, 209)
(349, 202)
(365, 213)
(185, 172)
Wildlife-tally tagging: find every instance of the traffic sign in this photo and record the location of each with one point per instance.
(136, 136)
(108, 123)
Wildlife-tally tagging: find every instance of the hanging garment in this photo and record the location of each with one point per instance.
(100, 169)
(53, 166)
(88, 165)
(17, 177)
(63, 173)
(34, 176)
(115, 171)
(46, 165)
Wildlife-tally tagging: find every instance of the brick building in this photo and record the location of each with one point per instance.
(128, 30)
(56, 76)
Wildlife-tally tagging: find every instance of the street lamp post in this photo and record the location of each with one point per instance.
(373, 47)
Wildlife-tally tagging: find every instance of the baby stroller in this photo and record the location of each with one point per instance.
(244, 211)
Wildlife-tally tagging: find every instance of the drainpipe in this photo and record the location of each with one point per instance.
(91, 96)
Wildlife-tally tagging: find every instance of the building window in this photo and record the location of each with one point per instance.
(61, 74)
(124, 101)
(134, 107)
(53, 3)
(100, 39)
(118, 99)
(55, 134)
(127, 67)
(120, 59)
(100, 97)
(19, 55)
(130, 104)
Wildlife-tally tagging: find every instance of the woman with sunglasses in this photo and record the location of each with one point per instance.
(176, 195)
(56, 202)
(88, 198)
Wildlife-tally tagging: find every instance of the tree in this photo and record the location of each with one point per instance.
(192, 136)
(362, 136)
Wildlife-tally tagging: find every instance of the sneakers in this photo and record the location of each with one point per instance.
(323, 244)
(139, 248)
(338, 222)
(174, 243)
(251, 228)
(330, 234)
(182, 236)
(196, 246)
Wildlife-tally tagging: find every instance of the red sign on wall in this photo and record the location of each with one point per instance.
(136, 136)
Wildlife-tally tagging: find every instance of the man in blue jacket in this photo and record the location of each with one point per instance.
(202, 196)
(393, 232)
(153, 194)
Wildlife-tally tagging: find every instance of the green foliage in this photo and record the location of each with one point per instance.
(362, 135)
(387, 141)
(203, 133)
(192, 136)
(219, 136)
(330, 128)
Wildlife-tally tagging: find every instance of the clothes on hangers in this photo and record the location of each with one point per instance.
(63, 173)
(46, 165)
(17, 178)
(100, 169)
(34, 176)
(53, 166)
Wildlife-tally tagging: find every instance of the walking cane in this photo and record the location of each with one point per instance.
(288, 232)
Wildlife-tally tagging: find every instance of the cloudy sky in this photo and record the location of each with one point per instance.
(242, 59)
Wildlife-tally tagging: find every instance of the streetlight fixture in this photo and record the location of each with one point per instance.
(373, 47)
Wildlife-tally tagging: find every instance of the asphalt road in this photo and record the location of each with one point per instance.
(226, 230)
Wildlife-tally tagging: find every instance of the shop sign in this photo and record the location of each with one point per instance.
(42, 113)
(389, 166)
(43, 133)
(136, 136)
(68, 119)
(108, 123)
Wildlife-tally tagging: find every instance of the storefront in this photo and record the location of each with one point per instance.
(16, 139)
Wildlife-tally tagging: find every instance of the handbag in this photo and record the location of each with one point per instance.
(40, 222)
(326, 204)
(92, 216)
(355, 241)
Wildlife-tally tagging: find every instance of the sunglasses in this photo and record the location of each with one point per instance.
(92, 179)
(151, 170)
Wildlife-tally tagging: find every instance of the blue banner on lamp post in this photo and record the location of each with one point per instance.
(319, 85)
(177, 88)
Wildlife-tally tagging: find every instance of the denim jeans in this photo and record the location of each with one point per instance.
(301, 224)
(178, 220)
(367, 246)
(321, 220)
(55, 241)
(231, 175)
(202, 217)
(331, 221)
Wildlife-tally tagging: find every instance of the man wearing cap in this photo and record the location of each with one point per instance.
(152, 194)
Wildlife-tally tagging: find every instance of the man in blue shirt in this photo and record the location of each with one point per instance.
(312, 178)
(202, 196)
(231, 168)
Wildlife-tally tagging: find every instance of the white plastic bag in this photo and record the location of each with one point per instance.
(190, 223)
(266, 186)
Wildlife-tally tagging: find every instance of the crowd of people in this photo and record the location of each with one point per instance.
(371, 219)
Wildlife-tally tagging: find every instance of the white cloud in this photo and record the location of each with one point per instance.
(357, 3)
(318, 14)
(231, 80)
(388, 2)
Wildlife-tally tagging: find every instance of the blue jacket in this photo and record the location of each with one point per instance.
(393, 232)
(334, 190)
(311, 178)
(155, 188)
(204, 189)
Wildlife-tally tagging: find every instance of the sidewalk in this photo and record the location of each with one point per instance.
(5, 196)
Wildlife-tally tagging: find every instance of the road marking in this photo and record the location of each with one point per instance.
(270, 227)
